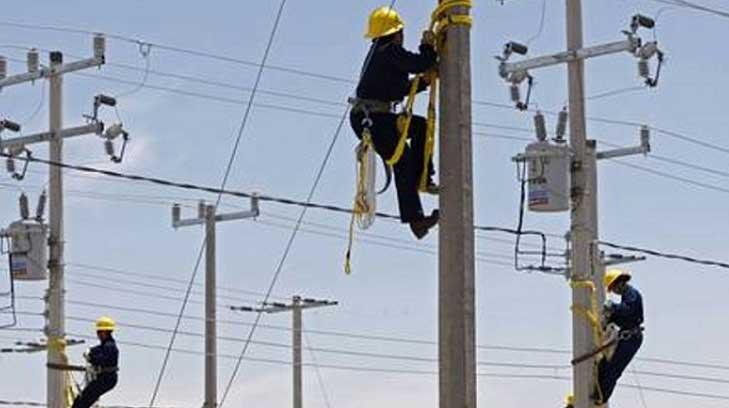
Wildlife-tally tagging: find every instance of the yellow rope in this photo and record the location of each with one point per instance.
(361, 206)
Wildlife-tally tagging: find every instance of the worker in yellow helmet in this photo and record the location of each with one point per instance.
(103, 365)
(569, 401)
(385, 81)
(628, 316)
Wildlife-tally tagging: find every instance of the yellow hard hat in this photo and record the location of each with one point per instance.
(569, 400)
(105, 323)
(384, 21)
(613, 274)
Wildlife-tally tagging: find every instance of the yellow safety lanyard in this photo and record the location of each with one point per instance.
(592, 314)
(439, 21)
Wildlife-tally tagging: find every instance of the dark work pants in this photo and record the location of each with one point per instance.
(610, 371)
(95, 389)
(385, 136)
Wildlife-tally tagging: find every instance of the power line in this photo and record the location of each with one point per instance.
(181, 50)
(353, 353)
(383, 338)
(659, 254)
(228, 169)
(632, 124)
(651, 156)
(350, 81)
(673, 177)
(693, 6)
(278, 200)
(383, 370)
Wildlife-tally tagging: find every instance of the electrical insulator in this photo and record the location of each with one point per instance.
(643, 21)
(9, 125)
(176, 213)
(33, 60)
(109, 148)
(644, 69)
(105, 100)
(24, 211)
(540, 126)
(201, 210)
(10, 165)
(99, 46)
(515, 94)
(3, 67)
(645, 136)
(561, 125)
(40, 209)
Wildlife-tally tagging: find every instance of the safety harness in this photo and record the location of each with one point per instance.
(364, 208)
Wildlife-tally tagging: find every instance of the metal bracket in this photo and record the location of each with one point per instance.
(644, 147)
(177, 221)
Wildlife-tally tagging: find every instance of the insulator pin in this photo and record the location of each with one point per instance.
(540, 126)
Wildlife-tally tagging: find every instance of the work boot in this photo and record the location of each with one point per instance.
(421, 226)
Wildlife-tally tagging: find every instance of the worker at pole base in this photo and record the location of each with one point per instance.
(103, 361)
(385, 81)
(628, 316)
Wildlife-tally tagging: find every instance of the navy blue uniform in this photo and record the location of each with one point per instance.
(105, 360)
(386, 79)
(628, 316)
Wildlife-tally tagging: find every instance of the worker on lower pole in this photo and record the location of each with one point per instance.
(385, 81)
(103, 361)
(628, 316)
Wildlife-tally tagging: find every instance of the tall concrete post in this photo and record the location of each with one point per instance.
(56, 331)
(211, 353)
(457, 352)
(583, 230)
(296, 346)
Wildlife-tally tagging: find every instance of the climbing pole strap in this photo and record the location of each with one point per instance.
(58, 344)
(592, 314)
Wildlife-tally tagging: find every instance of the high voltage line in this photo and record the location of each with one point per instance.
(308, 112)
(388, 356)
(371, 337)
(279, 200)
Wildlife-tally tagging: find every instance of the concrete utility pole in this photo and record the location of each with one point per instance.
(585, 260)
(586, 265)
(207, 216)
(296, 306)
(55, 327)
(56, 285)
(456, 265)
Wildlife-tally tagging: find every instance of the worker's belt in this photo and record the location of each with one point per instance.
(106, 370)
(628, 333)
(371, 105)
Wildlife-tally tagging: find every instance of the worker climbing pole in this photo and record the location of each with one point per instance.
(404, 141)
(386, 79)
(103, 365)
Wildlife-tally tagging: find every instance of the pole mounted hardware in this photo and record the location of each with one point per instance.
(112, 132)
(514, 73)
(13, 151)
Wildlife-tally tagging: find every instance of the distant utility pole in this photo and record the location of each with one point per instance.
(456, 264)
(586, 263)
(207, 216)
(55, 328)
(296, 306)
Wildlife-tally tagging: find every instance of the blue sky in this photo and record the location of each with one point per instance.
(126, 226)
